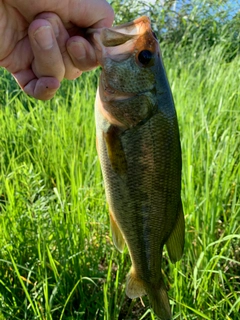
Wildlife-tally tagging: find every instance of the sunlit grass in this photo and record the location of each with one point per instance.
(57, 260)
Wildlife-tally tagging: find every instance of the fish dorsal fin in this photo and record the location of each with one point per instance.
(175, 242)
(117, 236)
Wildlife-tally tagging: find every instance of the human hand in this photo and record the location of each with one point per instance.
(42, 41)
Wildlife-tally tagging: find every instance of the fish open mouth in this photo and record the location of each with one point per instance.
(119, 42)
(120, 34)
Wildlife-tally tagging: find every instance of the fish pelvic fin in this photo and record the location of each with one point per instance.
(117, 236)
(135, 286)
(175, 242)
(159, 301)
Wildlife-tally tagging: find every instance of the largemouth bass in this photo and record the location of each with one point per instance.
(140, 155)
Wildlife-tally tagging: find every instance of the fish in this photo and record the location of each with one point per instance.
(139, 149)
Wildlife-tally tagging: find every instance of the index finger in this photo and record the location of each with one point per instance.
(94, 13)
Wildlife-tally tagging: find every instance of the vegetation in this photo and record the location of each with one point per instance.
(57, 260)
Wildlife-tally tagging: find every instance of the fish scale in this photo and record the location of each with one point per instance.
(140, 155)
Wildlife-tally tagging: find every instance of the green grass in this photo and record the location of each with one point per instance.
(57, 260)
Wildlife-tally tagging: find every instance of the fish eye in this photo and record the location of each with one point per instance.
(145, 57)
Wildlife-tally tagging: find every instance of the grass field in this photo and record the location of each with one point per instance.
(57, 260)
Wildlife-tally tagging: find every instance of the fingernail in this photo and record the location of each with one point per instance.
(54, 27)
(44, 37)
(78, 50)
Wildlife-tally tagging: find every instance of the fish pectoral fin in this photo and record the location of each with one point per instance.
(115, 150)
(175, 242)
(134, 287)
(117, 236)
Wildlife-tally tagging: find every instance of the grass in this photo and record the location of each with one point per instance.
(57, 260)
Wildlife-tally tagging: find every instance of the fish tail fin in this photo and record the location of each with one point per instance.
(135, 286)
(159, 301)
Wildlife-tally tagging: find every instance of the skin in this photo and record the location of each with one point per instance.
(42, 41)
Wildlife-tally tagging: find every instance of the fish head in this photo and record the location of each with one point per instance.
(131, 66)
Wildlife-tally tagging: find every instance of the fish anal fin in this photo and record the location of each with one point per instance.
(115, 150)
(117, 236)
(175, 242)
(135, 286)
(157, 294)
